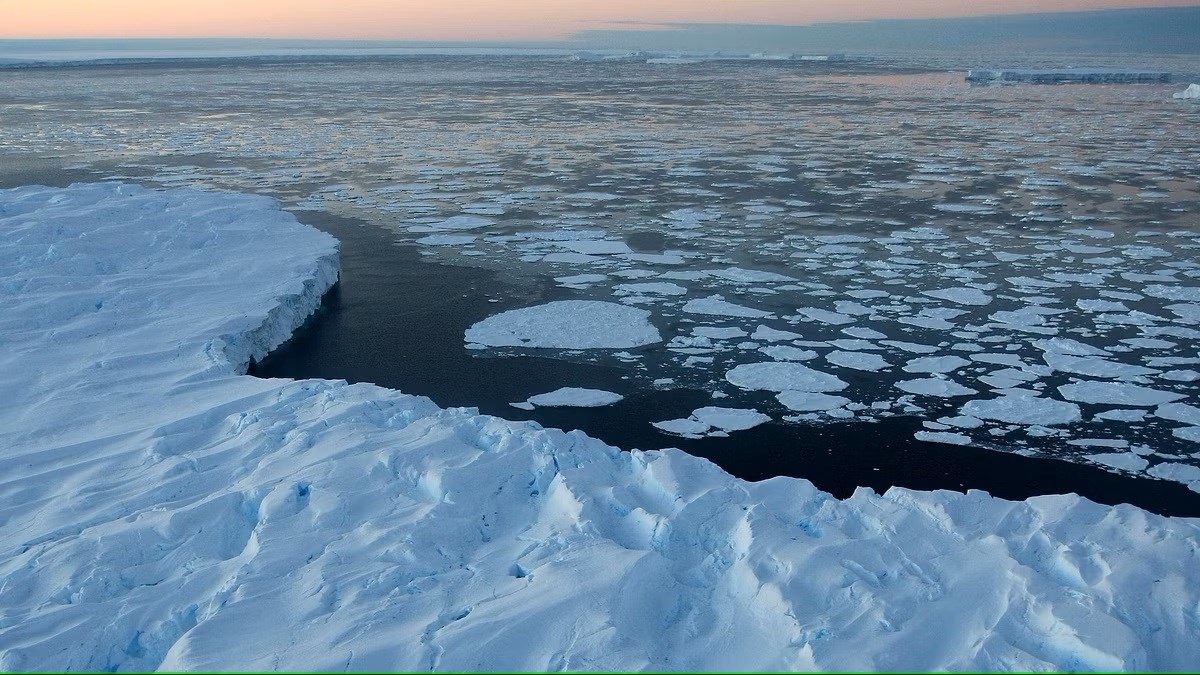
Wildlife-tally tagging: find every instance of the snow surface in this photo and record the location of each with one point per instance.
(162, 510)
(567, 324)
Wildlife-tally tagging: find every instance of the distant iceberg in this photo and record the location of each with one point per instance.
(1193, 91)
(1068, 76)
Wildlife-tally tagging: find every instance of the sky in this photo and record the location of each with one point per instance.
(472, 20)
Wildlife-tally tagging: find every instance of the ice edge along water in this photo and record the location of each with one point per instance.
(162, 510)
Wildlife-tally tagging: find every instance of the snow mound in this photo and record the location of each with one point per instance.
(567, 324)
(163, 511)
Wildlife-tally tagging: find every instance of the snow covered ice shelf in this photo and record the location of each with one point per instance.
(161, 510)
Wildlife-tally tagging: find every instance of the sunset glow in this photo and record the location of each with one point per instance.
(465, 19)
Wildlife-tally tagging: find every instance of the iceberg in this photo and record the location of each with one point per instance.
(1192, 91)
(162, 510)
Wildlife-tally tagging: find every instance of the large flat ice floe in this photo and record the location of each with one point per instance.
(162, 510)
(567, 324)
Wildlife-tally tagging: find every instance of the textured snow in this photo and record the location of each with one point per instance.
(575, 397)
(163, 511)
(567, 324)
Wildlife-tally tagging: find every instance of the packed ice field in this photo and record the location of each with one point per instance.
(1015, 265)
(163, 510)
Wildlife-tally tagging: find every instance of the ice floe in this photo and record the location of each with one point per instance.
(567, 324)
(574, 397)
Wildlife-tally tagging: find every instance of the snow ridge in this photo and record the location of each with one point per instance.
(162, 511)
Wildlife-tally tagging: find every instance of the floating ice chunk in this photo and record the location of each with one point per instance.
(703, 420)
(863, 333)
(1095, 367)
(744, 276)
(715, 305)
(1126, 461)
(858, 360)
(688, 428)
(788, 353)
(730, 419)
(1122, 415)
(1179, 412)
(652, 288)
(1101, 306)
(935, 364)
(567, 324)
(1181, 293)
(596, 246)
(1061, 345)
(962, 296)
(1024, 410)
(934, 386)
(461, 223)
(777, 376)
(1116, 393)
(962, 422)
(1181, 375)
(1192, 92)
(825, 316)
(911, 347)
(574, 397)
(446, 239)
(691, 218)
(571, 258)
(946, 437)
(804, 401)
(768, 334)
(717, 333)
(1183, 473)
(581, 279)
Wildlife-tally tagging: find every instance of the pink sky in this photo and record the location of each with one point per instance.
(462, 19)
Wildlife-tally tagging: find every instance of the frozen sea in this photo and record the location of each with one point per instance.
(918, 281)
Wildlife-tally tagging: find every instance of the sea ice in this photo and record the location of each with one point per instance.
(575, 397)
(1192, 91)
(858, 361)
(933, 386)
(1024, 410)
(1116, 393)
(715, 305)
(782, 376)
(567, 324)
(962, 296)
(165, 512)
(803, 401)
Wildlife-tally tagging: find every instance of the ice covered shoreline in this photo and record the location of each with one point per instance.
(162, 510)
